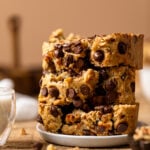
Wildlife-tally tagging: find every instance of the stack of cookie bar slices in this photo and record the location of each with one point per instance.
(88, 84)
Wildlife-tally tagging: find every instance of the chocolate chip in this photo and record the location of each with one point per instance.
(101, 128)
(58, 46)
(103, 75)
(122, 47)
(124, 75)
(44, 91)
(37, 145)
(100, 91)
(53, 91)
(66, 47)
(40, 82)
(86, 132)
(79, 64)
(110, 85)
(77, 102)
(99, 56)
(58, 53)
(77, 49)
(132, 85)
(122, 127)
(68, 60)
(86, 108)
(111, 97)
(85, 90)
(51, 65)
(108, 109)
(39, 119)
(100, 108)
(98, 100)
(54, 111)
(70, 93)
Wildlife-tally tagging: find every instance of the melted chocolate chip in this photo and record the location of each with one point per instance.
(132, 85)
(86, 132)
(67, 47)
(110, 85)
(39, 119)
(79, 64)
(51, 65)
(103, 75)
(99, 56)
(101, 128)
(85, 90)
(100, 91)
(77, 102)
(54, 111)
(98, 100)
(58, 53)
(122, 47)
(70, 93)
(44, 91)
(122, 127)
(77, 49)
(111, 97)
(86, 107)
(53, 91)
(68, 60)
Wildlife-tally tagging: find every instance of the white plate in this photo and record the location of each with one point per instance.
(82, 141)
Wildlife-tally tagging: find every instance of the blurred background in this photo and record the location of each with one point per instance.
(25, 24)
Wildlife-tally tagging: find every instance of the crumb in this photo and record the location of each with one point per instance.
(23, 131)
(51, 147)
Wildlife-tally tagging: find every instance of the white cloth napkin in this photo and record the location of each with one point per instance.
(26, 106)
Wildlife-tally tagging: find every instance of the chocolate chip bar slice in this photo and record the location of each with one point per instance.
(103, 120)
(117, 49)
(76, 54)
(115, 85)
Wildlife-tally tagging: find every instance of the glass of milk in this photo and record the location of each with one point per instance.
(7, 113)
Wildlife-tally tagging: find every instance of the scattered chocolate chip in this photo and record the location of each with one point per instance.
(58, 53)
(122, 47)
(44, 91)
(70, 93)
(110, 85)
(54, 111)
(53, 91)
(122, 127)
(132, 85)
(77, 102)
(85, 90)
(37, 145)
(68, 60)
(39, 119)
(99, 56)
(108, 109)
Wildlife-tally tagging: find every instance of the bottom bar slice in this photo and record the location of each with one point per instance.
(104, 120)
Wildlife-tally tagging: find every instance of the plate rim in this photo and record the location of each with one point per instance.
(44, 133)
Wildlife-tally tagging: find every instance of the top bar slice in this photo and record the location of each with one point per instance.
(77, 54)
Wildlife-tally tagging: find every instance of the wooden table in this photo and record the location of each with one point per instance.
(19, 140)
